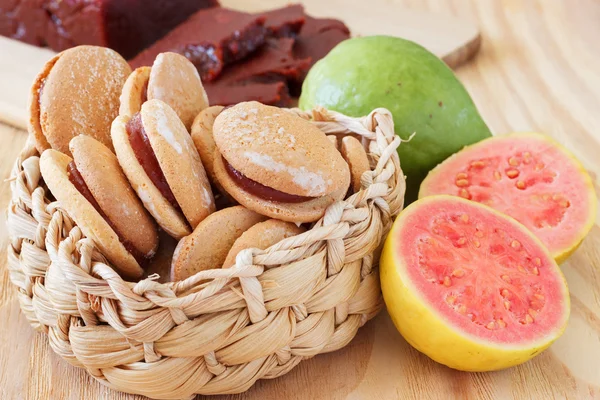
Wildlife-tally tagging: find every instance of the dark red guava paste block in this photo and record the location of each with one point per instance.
(285, 21)
(210, 39)
(264, 74)
(127, 26)
(316, 39)
(274, 61)
(314, 26)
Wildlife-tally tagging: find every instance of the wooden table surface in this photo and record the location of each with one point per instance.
(539, 69)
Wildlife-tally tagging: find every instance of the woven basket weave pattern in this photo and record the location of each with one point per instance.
(219, 331)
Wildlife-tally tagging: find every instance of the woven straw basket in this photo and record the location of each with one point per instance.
(221, 330)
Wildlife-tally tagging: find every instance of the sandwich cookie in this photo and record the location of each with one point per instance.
(160, 160)
(276, 163)
(93, 190)
(172, 79)
(207, 247)
(262, 236)
(76, 92)
(355, 155)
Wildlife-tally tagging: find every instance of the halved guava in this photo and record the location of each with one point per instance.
(529, 177)
(471, 287)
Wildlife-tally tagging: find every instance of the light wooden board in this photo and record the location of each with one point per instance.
(454, 39)
(538, 70)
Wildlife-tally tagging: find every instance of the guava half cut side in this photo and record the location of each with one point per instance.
(529, 177)
(471, 287)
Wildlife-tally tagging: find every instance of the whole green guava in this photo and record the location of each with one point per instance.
(423, 94)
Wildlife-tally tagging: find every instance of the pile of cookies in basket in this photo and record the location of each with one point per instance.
(127, 154)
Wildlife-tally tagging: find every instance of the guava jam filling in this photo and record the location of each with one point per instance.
(261, 191)
(524, 177)
(145, 155)
(483, 273)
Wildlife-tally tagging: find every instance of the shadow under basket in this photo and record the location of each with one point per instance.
(221, 330)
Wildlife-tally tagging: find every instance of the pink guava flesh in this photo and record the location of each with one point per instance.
(482, 272)
(525, 176)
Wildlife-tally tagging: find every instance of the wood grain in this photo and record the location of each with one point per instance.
(454, 39)
(537, 70)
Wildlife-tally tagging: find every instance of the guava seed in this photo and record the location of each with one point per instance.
(512, 173)
(532, 312)
(528, 318)
(459, 273)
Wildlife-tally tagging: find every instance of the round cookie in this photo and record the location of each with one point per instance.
(76, 92)
(135, 92)
(262, 236)
(53, 166)
(355, 155)
(108, 184)
(284, 166)
(207, 247)
(175, 80)
(202, 135)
